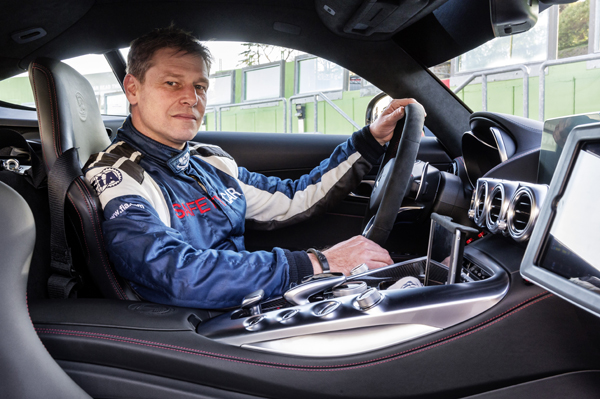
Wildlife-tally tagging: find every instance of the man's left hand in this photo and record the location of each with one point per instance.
(383, 127)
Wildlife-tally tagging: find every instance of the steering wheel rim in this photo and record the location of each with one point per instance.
(394, 177)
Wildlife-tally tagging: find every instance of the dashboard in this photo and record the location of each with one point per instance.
(507, 207)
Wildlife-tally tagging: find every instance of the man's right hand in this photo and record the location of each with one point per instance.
(344, 256)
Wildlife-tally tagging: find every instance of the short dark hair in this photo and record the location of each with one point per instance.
(142, 49)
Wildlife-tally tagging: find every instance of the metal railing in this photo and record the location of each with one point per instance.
(495, 71)
(546, 64)
(217, 109)
(316, 95)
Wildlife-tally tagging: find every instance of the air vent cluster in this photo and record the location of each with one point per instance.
(507, 207)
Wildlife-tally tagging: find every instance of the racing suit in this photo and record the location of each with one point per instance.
(175, 219)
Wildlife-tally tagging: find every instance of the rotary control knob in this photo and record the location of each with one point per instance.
(352, 288)
(362, 268)
(369, 299)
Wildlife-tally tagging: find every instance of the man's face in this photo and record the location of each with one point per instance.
(169, 106)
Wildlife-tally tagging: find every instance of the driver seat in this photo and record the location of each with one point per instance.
(69, 118)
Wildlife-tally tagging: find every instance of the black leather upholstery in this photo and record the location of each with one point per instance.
(26, 369)
(69, 116)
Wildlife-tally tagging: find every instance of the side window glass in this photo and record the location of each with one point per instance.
(17, 90)
(109, 95)
(262, 88)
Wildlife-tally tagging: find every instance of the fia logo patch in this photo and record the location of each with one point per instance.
(109, 177)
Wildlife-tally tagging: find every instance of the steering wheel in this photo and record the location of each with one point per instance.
(393, 178)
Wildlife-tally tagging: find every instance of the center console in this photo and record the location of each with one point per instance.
(336, 315)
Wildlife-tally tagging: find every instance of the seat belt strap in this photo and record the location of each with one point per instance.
(64, 171)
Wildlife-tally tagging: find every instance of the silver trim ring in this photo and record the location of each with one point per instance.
(525, 233)
(480, 216)
(493, 226)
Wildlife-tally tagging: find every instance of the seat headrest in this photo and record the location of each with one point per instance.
(68, 113)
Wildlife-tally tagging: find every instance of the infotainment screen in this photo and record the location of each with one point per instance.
(572, 247)
(563, 254)
(555, 134)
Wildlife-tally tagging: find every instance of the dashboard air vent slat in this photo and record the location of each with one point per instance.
(496, 206)
(522, 212)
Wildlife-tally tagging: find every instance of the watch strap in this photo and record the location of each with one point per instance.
(321, 258)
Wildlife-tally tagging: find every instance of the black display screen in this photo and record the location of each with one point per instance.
(441, 247)
(572, 247)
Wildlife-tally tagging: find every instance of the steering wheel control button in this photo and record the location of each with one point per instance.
(252, 323)
(360, 269)
(369, 299)
(325, 308)
(353, 288)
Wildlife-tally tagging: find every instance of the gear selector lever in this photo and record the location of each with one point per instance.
(299, 294)
(252, 302)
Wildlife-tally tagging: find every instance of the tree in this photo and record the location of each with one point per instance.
(257, 53)
(573, 25)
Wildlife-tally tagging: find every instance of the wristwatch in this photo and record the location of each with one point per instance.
(321, 258)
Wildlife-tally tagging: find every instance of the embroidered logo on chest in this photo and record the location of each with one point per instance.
(109, 177)
(183, 162)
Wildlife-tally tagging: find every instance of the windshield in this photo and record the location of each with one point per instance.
(503, 75)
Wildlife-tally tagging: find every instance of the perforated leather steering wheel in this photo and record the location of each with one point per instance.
(394, 176)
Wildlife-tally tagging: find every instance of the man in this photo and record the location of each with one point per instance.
(175, 211)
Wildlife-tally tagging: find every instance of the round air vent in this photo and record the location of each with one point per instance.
(494, 210)
(521, 214)
(479, 205)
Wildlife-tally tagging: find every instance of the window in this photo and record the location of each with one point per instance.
(528, 47)
(573, 29)
(221, 89)
(262, 82)
(17, 90)
(597, 26)
(248, 81)
(317, 74)
(94, 67)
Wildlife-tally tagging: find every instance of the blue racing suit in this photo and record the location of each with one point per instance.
(175, 219)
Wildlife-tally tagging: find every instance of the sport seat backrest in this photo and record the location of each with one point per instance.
(69, 116)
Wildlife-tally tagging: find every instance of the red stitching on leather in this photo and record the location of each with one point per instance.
(284, 366)
(108, 271)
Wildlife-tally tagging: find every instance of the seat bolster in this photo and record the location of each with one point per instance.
(87, 210)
